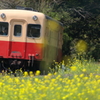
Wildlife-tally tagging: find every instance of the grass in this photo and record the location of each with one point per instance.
(80, 81)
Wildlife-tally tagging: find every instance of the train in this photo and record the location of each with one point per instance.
(29, 40)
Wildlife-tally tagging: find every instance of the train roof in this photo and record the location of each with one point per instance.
(23, 12)
(29, 8)
(47, 17)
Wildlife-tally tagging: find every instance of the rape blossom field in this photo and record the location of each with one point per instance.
(81, 81)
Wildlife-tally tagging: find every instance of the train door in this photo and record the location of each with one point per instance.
(17, 39)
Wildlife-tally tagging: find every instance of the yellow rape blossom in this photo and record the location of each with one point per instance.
(25, 73)
(73, 68)
(82, 75)
(37, 72)
(84, 70)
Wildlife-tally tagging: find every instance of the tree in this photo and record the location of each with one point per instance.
(10, 3)
(84, 24)
(81, 19)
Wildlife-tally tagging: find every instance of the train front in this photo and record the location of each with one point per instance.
(21, 38)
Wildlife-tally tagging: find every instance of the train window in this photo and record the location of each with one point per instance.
(3, 28)
(17, 30)
(33, 30)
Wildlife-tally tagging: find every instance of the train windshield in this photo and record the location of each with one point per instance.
(33, 30)
(3, 28)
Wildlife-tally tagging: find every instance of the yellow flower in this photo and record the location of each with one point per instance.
(97, 76)
(37, 72)
(79, 94)
(81, 75)
(91, 75)
(49, 74)
(98, 97)
(85, 78)
(98, 81)
(86, 98)
(78, 84)
(65, 97)
(55, 73)
(73, 68)
(17, 80)
(31, 73)
(84, 70)
(1, 83)
(25, 73)
(36, 80)
(53, 80)
(75, 76)
(46, 77)
(81, 46)
(1, 98)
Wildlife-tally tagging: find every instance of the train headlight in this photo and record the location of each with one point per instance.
(35, 18)
(3, 16)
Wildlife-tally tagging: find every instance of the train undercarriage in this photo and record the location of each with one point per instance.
(11, 65)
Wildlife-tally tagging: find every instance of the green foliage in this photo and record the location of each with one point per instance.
(10, 3)
(81, 19)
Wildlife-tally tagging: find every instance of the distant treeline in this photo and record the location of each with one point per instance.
(81, 19)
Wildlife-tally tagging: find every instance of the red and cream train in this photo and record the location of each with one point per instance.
(29, 40)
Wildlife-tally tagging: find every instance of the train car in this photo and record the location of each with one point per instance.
(29, 40)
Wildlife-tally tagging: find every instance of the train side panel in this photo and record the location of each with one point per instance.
(53, 41)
